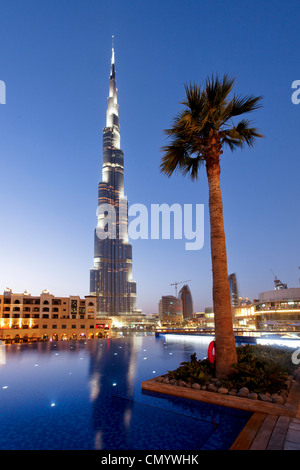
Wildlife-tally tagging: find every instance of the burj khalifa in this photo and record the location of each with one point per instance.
(111, 278)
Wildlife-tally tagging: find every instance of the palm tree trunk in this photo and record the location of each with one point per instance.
(225, 348)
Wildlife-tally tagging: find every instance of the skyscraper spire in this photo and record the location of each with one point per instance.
(113, 50)
(111, 279)
(112, 114)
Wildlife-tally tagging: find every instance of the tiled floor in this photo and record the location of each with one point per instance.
(292, 438)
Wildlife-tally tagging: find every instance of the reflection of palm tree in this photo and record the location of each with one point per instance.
(197, 137)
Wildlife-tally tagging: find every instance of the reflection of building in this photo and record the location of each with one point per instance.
(234, 292)
(24, 317)
(273, 310)
(112, 386)
(111, 279)
(187, 301)
(170, 309)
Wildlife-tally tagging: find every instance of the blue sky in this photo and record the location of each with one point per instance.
(55, 58)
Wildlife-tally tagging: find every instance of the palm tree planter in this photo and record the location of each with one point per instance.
(197, 136)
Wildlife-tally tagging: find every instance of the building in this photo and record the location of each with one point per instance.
(209, 317)
(199, 319)
(278, 309)
(25, 318)
(170, 309)
(111, 278)
(234, 291)
(187, 302)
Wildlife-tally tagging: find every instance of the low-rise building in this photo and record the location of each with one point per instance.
(25, 318)
(277, 309)
(170, 309)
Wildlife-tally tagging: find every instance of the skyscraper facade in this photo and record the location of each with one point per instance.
(234, 291)
(187, 301)
(111, 278)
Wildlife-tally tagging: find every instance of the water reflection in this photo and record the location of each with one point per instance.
(2, 353)
(112, 370)
(87, 395)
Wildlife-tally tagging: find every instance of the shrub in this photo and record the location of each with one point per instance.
(195, 371)
(259, 368)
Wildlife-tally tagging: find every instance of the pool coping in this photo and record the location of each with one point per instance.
(289, 409)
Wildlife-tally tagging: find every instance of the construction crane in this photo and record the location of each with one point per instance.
(277, 283)
(176, 284)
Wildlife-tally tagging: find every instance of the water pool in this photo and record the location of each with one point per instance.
(87, 395)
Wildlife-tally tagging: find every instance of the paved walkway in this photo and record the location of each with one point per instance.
(266, 431)
(269, 432)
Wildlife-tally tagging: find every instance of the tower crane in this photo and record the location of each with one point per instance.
(176, 284)
(277, 283)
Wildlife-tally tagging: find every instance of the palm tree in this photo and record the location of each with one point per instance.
(198, 135)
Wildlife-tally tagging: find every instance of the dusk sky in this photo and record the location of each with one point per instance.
(55, 62)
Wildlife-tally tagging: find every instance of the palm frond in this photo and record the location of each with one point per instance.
(205, 124)
(191, 167)
(217, 91)
(174, 156)
(240, 134)
(241, 105)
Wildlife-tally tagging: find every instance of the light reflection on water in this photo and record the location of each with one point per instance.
(87, 395)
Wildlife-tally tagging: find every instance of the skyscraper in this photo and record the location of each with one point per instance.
(234, 291)
(111, 278)
(187, 301)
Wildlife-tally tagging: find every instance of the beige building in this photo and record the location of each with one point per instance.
(170, 309)
(26, 318)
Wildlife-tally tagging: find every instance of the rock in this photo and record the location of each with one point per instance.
(233, 392)
(204, 387)
(252, 396)
(211, 388)
(181, 383)
(172, 381)
(243, 392)
(264, 397)
(216, 382)
(188, 385)
(166, 380)
(278, 400)
(159, 379)
(223, 390)
(274, 395)
(196, 386)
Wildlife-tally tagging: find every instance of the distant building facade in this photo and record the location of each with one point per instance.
(234, 291)
(170, 309)
(187, 302)
(24, 317)
(277, 309)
